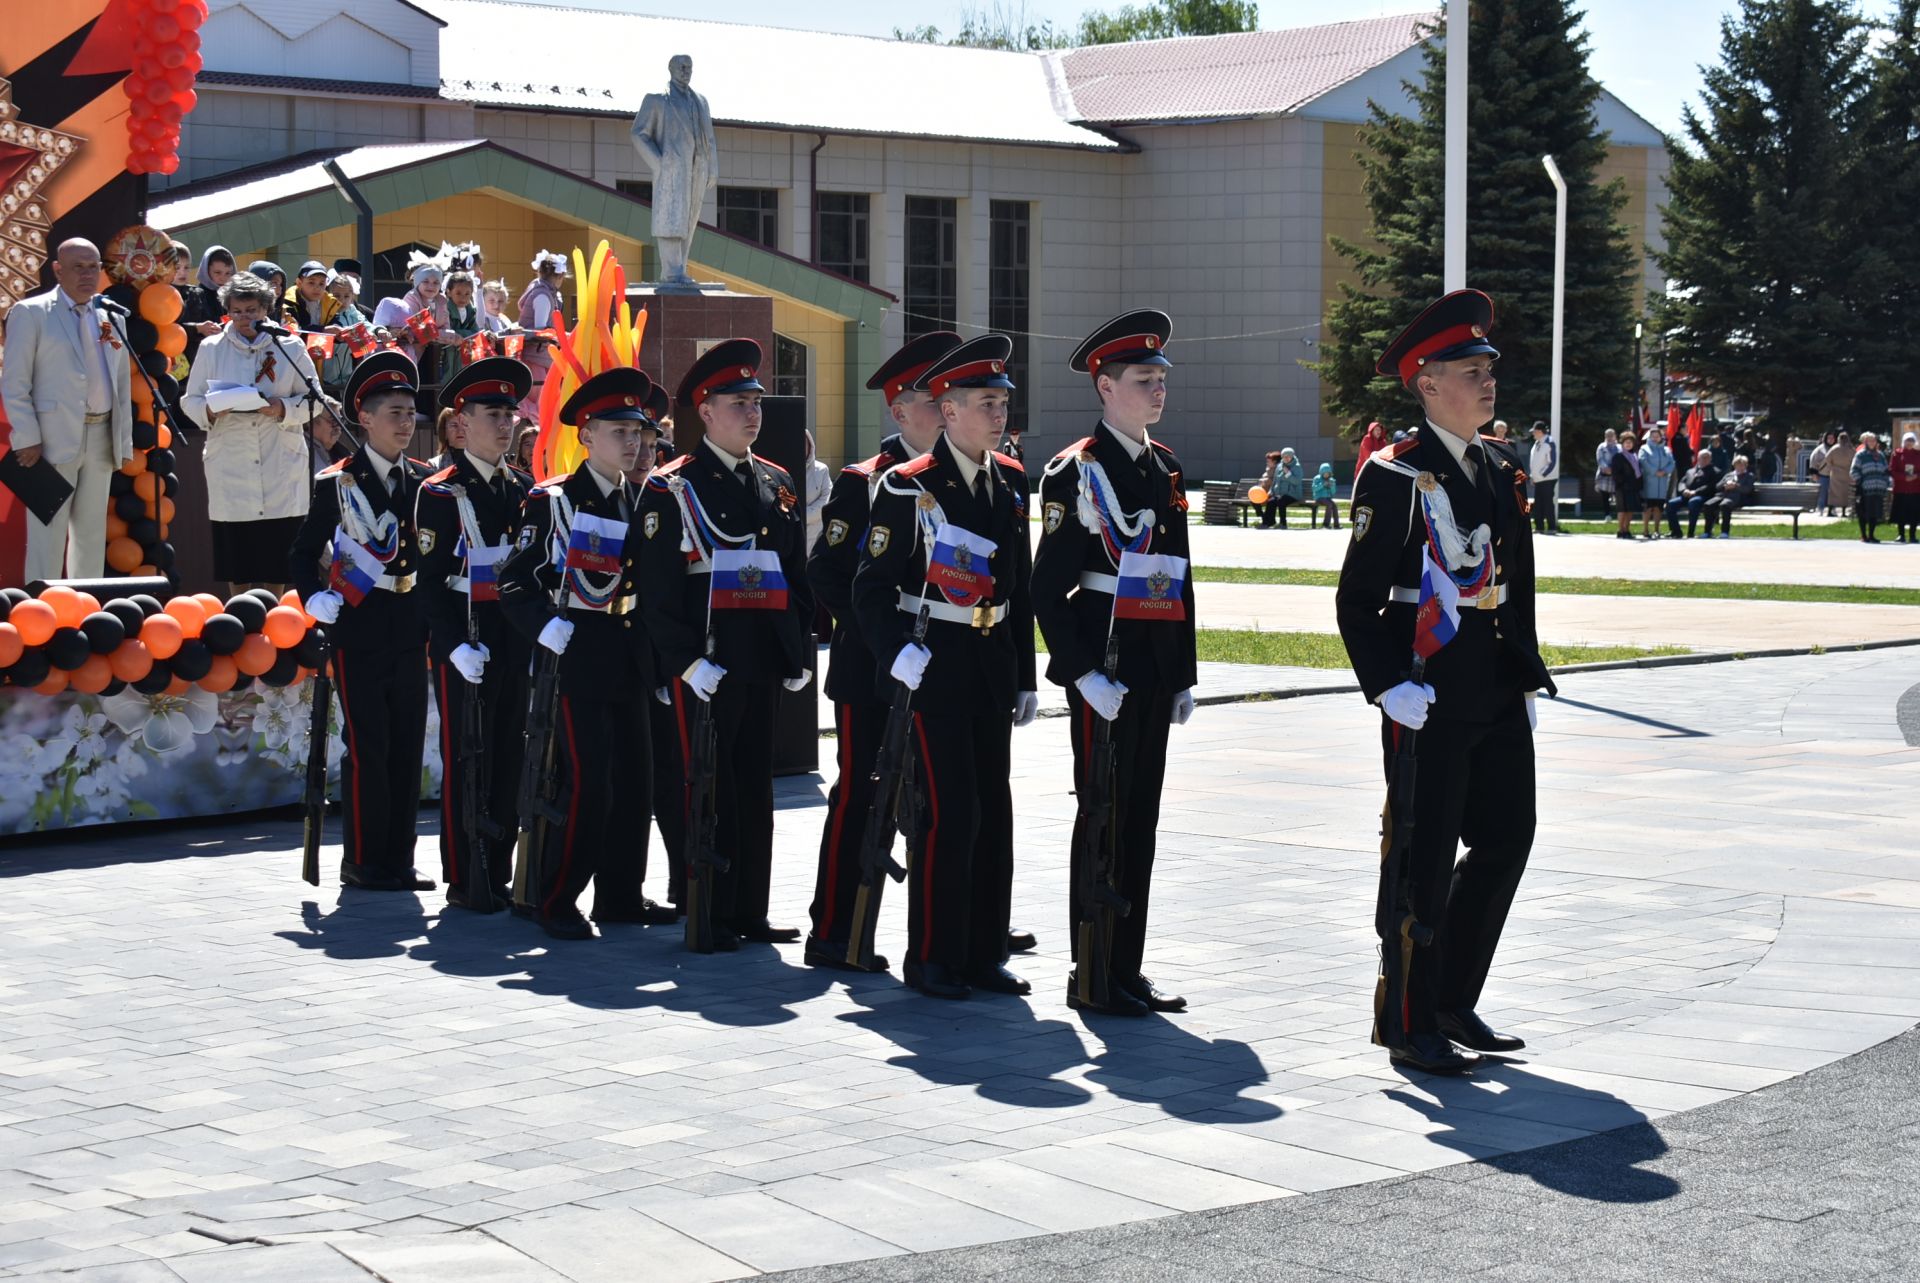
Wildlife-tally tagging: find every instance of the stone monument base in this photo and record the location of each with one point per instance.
(683, 323)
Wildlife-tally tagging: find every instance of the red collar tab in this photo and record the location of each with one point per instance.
(1452, 336)
(959, 374)
(377, 382)
(485, 387)
(719, 379)
(1131, 343)
(905, 380)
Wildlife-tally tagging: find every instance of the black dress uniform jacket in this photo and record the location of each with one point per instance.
(437, 522)
(384, 619)
(850, 670)
(969, 666)
(1495, 655)
(1073, 619)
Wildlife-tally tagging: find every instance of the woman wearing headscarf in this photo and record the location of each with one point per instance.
(200, 306)
(1905, 467)
(1374, 438)
(276, 277)
(1603, 465)
(1873, 481)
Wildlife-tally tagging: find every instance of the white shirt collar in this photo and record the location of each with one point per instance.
(485, 469)
(968, 468)
(1456, 446)
(382, 466)
(1133, 448)
(731, 461)
(606, 486)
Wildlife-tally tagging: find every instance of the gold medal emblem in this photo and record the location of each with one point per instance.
(1427, 482)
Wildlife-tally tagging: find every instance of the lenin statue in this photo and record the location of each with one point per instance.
(673, 131)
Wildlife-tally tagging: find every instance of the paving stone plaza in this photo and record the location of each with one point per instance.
(208, 1072)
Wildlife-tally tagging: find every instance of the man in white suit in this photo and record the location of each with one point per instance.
(67, 392)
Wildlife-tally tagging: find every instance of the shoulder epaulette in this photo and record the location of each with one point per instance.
(1008, 461)
(1395, 450)
(867, 467)
(1084, 443)
(550, 487)
(338, 465)
(914, 467)
(1162, 447)
(417, 462)
(525, 478)
(669, 467)
(780, 474)
(440, 483)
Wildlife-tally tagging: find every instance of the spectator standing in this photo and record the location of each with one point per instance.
(523, 444)
(1840, 468)
(1872, 482)
(1768, 466)
(539, 304)
(1326, 491)
(1723, 451)
(1603, 458)
(1372, 439)
(493, 308)
(1656, 482)
(1543, 479)
(1734, 492)
(1625, 468)
(200, 310)
(1682, 451)
(1905, 466)
(258, 461)
(1817, 468)
(819, 487)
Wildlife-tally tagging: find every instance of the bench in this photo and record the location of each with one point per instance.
(1783, 499)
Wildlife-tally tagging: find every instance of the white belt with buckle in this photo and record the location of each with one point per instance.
(392, 583)
(1108, 584)
(1489, 599)
(982, 616)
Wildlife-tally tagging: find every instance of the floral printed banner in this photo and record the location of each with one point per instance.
(69, 759)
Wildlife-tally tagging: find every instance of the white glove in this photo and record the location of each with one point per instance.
(1182, 708)
(704, 676)
(1103, 695)
(471, 660)
(1026, 707)
(556, 635)
(665, 695)
(798, 683)
(325, 605)
(1407, 704)
(1533, 715)
(910, 665)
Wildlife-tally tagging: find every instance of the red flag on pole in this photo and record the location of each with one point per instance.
(1673, 424)
(1696, 424)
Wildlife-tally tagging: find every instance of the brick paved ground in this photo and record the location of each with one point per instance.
(345, 1085)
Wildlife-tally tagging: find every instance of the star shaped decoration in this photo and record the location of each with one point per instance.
(29, 157)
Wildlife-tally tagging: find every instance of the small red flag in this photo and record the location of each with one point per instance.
(1696, 425)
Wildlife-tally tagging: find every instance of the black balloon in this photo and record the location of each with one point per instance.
(267, 596)
(142, 334)
(104, 631)
(155, 364)
(128, 613)
(192, 661)
(68, 648)
(171, 480)
(119, 483)
(145, 436)
(160, 556)
(126, 294)
(157, 679)
(130, 507)
(312, 650)
(160, 460)
(145, 531)
(114, 687)
(30, 669)
(241, 681)
(149, 604)
(15, 596)
(249, 611)
(286, 667)
(223, 634)
(169, 387)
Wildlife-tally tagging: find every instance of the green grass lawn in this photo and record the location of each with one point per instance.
(1757, 530)
(1603, 587)
(1324, 650)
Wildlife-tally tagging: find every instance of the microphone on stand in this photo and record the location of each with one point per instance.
(105, 304)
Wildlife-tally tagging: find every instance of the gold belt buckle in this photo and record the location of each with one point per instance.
(1489, 599)
(403, 584)
(983, 616)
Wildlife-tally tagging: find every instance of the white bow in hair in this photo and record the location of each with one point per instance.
(547, 256)
(418, 263)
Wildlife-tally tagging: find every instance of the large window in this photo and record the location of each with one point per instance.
(789, 366)
(751, 212)
(933, 275)
(641, 187)
(1009, 291)
(843, 234)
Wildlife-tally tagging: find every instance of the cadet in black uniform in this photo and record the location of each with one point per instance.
(362, 510)
(1114, 519)
(860, 705)
(719, 525)
(1474, 708)
(576, 538)
(949, 531)
(466, 516)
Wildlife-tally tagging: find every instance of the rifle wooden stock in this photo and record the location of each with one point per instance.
(542, 807)
(313, 800)
(1099, 872)
(481, 830)
(703, 824)
(1394, 921)
(893, 807)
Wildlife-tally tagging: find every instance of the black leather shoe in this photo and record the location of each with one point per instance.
(935, 980)
(997, 979)
(1467, 1029)
(646, 914)
(1433, 1054)
(764, 932)
(724, 940)
(1020, 940)
(1119, 1001)
(1141, 989)
(484, 902)
(565, 926)
(832, 954)
(354, 876)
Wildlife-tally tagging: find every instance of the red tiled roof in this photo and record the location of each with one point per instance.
(1257, 73)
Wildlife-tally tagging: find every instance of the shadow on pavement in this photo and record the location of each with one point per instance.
(993, 1043)
(1155, 1061)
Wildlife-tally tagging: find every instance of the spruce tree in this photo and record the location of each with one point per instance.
(1768, 255)
(1530, 95)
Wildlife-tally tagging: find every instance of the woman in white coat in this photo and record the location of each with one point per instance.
(259, 476)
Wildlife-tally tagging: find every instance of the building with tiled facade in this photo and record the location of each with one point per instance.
(872, 187)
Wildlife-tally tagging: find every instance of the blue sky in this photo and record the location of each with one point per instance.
(1646, 51)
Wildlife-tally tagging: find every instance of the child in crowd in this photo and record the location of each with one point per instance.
(1326, 492)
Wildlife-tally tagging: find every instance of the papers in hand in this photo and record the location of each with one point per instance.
(223, 398)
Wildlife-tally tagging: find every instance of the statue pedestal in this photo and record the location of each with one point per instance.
(682, 324)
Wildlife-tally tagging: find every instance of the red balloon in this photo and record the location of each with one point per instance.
(165, 28)
(168, 164)
(167, 113)
(162, 6)
(172, 56)
(186, 100)
(158, 91)
(191, 14)
(178, 79)
(135, 87)
(188, 42)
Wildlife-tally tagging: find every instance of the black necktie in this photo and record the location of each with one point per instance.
(980, 487)
(499, 486)
(744, 471)
(1482, 481)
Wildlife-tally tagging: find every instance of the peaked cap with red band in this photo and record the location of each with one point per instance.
(916, 356)
(617, 393)
(492, 380)
(381, 372)
(980, 362)
(659, 405)
(1132, 338)
(1452, 329)
(727, 367)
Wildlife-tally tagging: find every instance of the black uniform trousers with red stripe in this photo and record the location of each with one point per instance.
(669, 797)
(383, 717)
(960, 889)
(860, 727)
(606, 763)
(503, 713)
(743, 717)
(1139, 768)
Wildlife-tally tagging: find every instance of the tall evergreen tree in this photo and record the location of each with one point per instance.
(1767, 251)
(1530, 95)
(1889, 350)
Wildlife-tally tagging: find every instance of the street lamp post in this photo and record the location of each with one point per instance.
(1635, 410)
(1453, 204)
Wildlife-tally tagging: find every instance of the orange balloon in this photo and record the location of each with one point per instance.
(136, 465)
(35, 621)
(131, 660)
(90, 603)
(148, 572)
(166, 509)
(291, 598)
(116, 527)
(221, 677)
(55, 683)
(190, 615)
(142, 399)
(68, 609)
(172, 341)
(162, 635)
(146, 484)
(123, 554)
(211, 604)
(284, 627)
(256, 655)
(160, 303)
(11, 647)
(165, 437)
(91, 677)
(179, 686)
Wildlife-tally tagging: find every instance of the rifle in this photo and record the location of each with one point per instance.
(703, 823)
(894, 805)
(475, 771)
(1394, 921)
(1099, 873)
(542, 804)
(313, 802)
